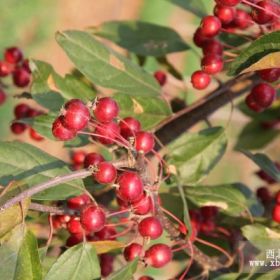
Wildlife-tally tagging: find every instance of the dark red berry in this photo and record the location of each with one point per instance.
(150, 227)
(144, 141)
(276, 213)
(212, 47)
(78, 157)
(92, 218)
(158, 255)
(145, 278)
(33, 113)
(74, 226)
(21, 77)
(277, 197)
(212, 64)
(13, 55)
(106, 264)
(143, 205)
(132, 251)
(130, 186)
(93, 159)
(224, 13)
(228, 2)
(76, 115)
(209, 212)
(265, 177)
(251, 103)
(210, 26)
(106, 173)
(18, 128)
(263, 14)
(106, 110)
(21, 111)
(78, 202)
(129, 127)
(161, 77)
(242, 19)
(269, 75)
(107, 233)
(64, 219)
(25, 65)
(60, 131)
(200, 80)
(207, 226)
(74, 240)
(35, 135)
(3, 97)
(199, 39)
(5, 69)
(264, 195)
(263, 94)
(107, 133)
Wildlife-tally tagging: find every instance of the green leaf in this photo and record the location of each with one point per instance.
(77, 263)
(105, 67)
(125, 273)
(149, 113)
(226, 197)
(267, 165)
(195, 154)
(194, 6)
(28, 164)
(261, 47)
(19, 256)
(105, 246)
(142, 38)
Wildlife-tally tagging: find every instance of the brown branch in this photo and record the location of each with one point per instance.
(47, 209)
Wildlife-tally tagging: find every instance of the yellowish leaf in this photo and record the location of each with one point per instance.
(106, 246)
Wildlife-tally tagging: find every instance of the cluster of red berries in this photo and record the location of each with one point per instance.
(14, 64)
(22, 111)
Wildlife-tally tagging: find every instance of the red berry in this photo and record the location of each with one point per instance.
(5, 69)
(263, 14)
(132, 251)
(150, 227)
(129, 127)
(78, 202)
(276, 213)
(93, 159)
(210, 26)
(209, 212)
(76, 115)
(200, 80)
(212, 47)
(13, 55)
(207, 226)
(106, 264)
(106, 110)
(130, 186)
(107, 132)
(199, 39)
(35, 135)
(251, 103)
(78, 157)
(3, 97)
(92, 218)
(106, 233)
(144, 141)
(33, 113)
(21, 111)
(270, 75)
(74, 240)
(265, 177)
(64, 219)
(263, 94)
(277, 197)
(25, 65)
(21, 77)
(18, 128)
(143, 205)
(74, 226)
(228, 2)
(145, 278)
(161, 77)
(224, 13)
(60, 131)
(242, 19)
(212, 64)
(106, 173)
(158, 255)
(264, 195)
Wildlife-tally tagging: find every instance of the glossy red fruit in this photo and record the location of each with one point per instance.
(18, 128)
(21, 77)
(106, 264)
(144, 277)
(161, 77)
(264, 195)
(242, 19)
(200, 80)
(13, 55)
(276, 213)
(129, 127)
(61, 132)
(25, 65)
(31, 113)
(224, 13)
(107, 233)
(3, 97)
(144, 141)
(210, 26)
(107, 133)
(106, 110)
(35, 135)
(132, 251)
(263, 94)
(158, 255)
(143, 205)
(93, 159)
(64, 219)
(212, 64)
(150, 227)
(74, 226)
(78, 202)
(106, 173)
(212, 47)
(5, 69)
(74, 239)
(78, 157)
(21, 111)
(251, 103)
(93, 218)
(130, 186)
(277, 197)
(269, 75)
(209, 212)
(76, 115)
(263, 14)
(228, 2)
(199, 39)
